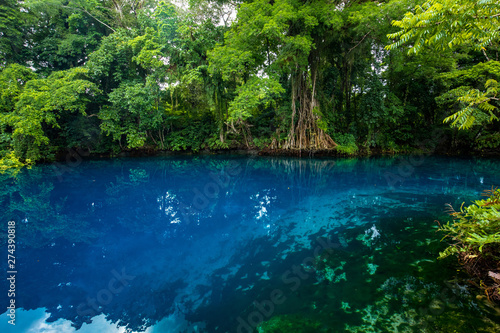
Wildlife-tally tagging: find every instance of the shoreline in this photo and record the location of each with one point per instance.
(304, 153)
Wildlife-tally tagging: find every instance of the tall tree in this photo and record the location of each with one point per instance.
(13, 80)
(283, 38)
(12, 32)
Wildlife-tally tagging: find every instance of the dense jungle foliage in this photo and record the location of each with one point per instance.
(103, 76)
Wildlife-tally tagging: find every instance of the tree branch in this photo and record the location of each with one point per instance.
(484, 52)
(362, 39)
(95, 18)
(486, 17)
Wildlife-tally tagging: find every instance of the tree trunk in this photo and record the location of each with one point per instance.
(305, 132)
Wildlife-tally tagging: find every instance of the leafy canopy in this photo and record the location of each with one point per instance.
(41, 103)
(446, 24)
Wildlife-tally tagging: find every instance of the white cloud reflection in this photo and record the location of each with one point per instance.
(34, 321)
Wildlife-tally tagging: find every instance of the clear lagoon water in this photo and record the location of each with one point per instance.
(240, 244)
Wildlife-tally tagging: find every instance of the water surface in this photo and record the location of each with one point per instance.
(225, 243)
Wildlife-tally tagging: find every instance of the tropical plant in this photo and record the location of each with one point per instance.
(475, 236)
(40, 105)
(474, 226)
(446, 24)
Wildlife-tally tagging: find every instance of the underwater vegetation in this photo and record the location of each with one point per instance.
(289, 324)
(377, 281)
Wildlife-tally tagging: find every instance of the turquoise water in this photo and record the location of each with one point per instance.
(241, 244)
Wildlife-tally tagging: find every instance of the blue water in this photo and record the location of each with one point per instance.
(236, 243)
